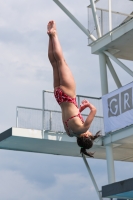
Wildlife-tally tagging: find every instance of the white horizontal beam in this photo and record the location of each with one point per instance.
(119, 13)
(75, 20)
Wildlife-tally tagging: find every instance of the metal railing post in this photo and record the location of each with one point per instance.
(98, 30)
(17, 117)
(50, 120)
(43, 107)
(110, 15)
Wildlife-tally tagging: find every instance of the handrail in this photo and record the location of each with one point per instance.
(25, 114)
(98, 98)
(38, 109)
(106, 10)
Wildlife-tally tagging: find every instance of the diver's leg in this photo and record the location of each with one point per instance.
(67, 82)
(56, 78)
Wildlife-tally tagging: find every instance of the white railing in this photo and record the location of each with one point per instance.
(50, 116)
(31, 118)
(49, 102)
(117, 19)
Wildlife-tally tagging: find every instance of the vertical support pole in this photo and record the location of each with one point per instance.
(17, 117)
(104, 86)
(95, 18)
(110, 15)
(92, 177)
(78, 100)
(110, 164)
(102, 22)
(103, 73)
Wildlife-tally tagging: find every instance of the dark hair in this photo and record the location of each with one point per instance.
(87, 143)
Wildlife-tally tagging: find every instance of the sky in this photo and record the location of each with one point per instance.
(25, 72)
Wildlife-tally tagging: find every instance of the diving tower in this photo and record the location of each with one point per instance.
(40, 130)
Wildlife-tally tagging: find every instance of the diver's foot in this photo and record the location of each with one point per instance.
(51, 28)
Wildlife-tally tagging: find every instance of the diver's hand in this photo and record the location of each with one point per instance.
(84, 104)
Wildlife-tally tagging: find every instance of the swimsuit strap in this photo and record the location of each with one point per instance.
(69, 131)
(69, 119)
(78, 115)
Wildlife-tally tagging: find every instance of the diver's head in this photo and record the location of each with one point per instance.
(85, 141)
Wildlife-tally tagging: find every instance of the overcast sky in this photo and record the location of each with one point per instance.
(25, 72)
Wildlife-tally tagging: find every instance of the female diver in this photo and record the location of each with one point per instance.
(64, 91)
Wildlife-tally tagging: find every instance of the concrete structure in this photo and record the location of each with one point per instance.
(57, 143)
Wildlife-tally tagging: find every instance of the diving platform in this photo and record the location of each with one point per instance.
(58, 143)
(122, 189)
(118, 42)
(37, 141)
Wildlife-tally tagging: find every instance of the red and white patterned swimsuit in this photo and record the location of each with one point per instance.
(61, 97)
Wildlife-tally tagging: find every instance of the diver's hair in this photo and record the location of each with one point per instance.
(87, 143)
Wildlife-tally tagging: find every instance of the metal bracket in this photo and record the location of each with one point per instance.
(92, 177)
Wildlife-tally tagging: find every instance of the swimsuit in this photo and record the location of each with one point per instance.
(61, 97)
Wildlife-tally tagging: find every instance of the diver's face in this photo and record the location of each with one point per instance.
(86, 134)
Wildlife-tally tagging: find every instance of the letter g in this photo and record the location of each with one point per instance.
(116, 107)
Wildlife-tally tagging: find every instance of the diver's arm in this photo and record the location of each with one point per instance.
(85, 126)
